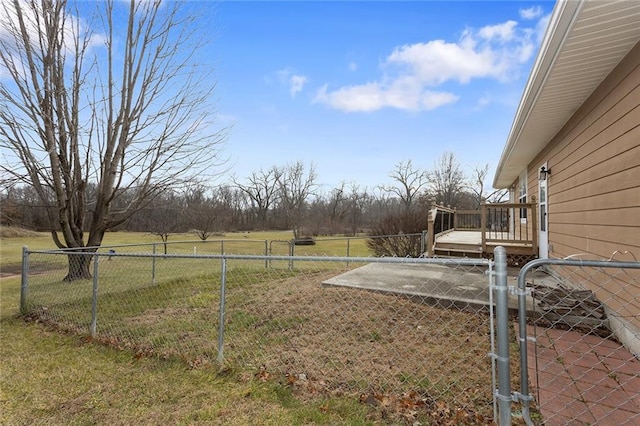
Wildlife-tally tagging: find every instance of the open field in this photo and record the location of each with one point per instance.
(274, 242)
(53, 378)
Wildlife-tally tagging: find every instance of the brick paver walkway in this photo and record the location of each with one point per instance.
(580, 379)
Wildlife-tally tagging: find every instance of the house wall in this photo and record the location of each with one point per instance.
(594, 186)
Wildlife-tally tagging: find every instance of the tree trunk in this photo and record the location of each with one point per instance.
(78, 267)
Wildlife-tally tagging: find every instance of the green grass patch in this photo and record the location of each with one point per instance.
(53, 378)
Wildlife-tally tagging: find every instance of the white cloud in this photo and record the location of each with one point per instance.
(373, 96)
(531, 13)
(294, 82)
(412, 73)
(501, 32)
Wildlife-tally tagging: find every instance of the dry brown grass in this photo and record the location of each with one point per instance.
(15, 232)
(409, 360)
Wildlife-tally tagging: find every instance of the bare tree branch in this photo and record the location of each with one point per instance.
(447, 181)
(410, 183)
(295, 187)
(82, 105)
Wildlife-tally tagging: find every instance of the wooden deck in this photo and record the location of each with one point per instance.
(469, 243)
(476, 233)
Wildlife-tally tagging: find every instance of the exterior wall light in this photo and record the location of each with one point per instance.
(544, 172)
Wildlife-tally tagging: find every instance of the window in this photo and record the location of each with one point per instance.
(522, 195)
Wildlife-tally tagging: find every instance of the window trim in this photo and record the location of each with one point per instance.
(523, 192)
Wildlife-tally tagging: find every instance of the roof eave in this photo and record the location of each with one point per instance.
(560, 24)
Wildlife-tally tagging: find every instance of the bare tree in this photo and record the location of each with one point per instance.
(359, 202)
(125, 108)
(398, 234)
(165, 217)
(477, 187)
(410, 183)
(447, 181)
(262, 190)
(295, 187)
(338, 207)
(202, 212)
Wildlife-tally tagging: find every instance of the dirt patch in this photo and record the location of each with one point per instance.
(15, 232)
(405, 358)
(8, 271)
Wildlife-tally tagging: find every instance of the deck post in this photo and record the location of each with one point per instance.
(483, 226)
(433, 211)
(455, 218)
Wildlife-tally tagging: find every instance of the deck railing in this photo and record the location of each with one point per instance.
(468, 220)
(510, 224)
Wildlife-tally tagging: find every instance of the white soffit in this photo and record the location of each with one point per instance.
(584, 42)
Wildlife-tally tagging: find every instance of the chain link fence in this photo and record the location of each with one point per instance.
(357, 246)
(407, 336)
(580, 341)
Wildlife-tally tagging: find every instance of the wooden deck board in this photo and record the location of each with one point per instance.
(471, 241)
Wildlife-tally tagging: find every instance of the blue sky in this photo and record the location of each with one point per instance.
(357, 87)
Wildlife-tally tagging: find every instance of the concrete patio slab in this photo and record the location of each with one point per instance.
(462, 285)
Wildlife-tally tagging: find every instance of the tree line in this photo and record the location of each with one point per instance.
(287, 197)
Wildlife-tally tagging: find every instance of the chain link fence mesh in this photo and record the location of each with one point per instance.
(321, 246)
(280, 318)
(584, 342)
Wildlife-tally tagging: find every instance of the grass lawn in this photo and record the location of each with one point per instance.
(47, 377)
(50, 378)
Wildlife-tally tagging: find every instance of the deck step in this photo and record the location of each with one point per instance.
(446, 252)
(458, 256)
(459, 248)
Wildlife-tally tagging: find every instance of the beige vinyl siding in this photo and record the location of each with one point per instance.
(594, 190)
(594, 187)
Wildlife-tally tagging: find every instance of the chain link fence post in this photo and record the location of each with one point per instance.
(153, 266)
(522, 333)
(266, 253)
(223, 285)
(24, 280)
(94, 297)
(292, 245)
(502, 335)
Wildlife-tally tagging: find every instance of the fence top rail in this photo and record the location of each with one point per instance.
(574, 262)
(414, 260)
(91, 249)
(155, 243)
(604, 263)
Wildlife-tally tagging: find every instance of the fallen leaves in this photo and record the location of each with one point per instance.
(411, 407)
